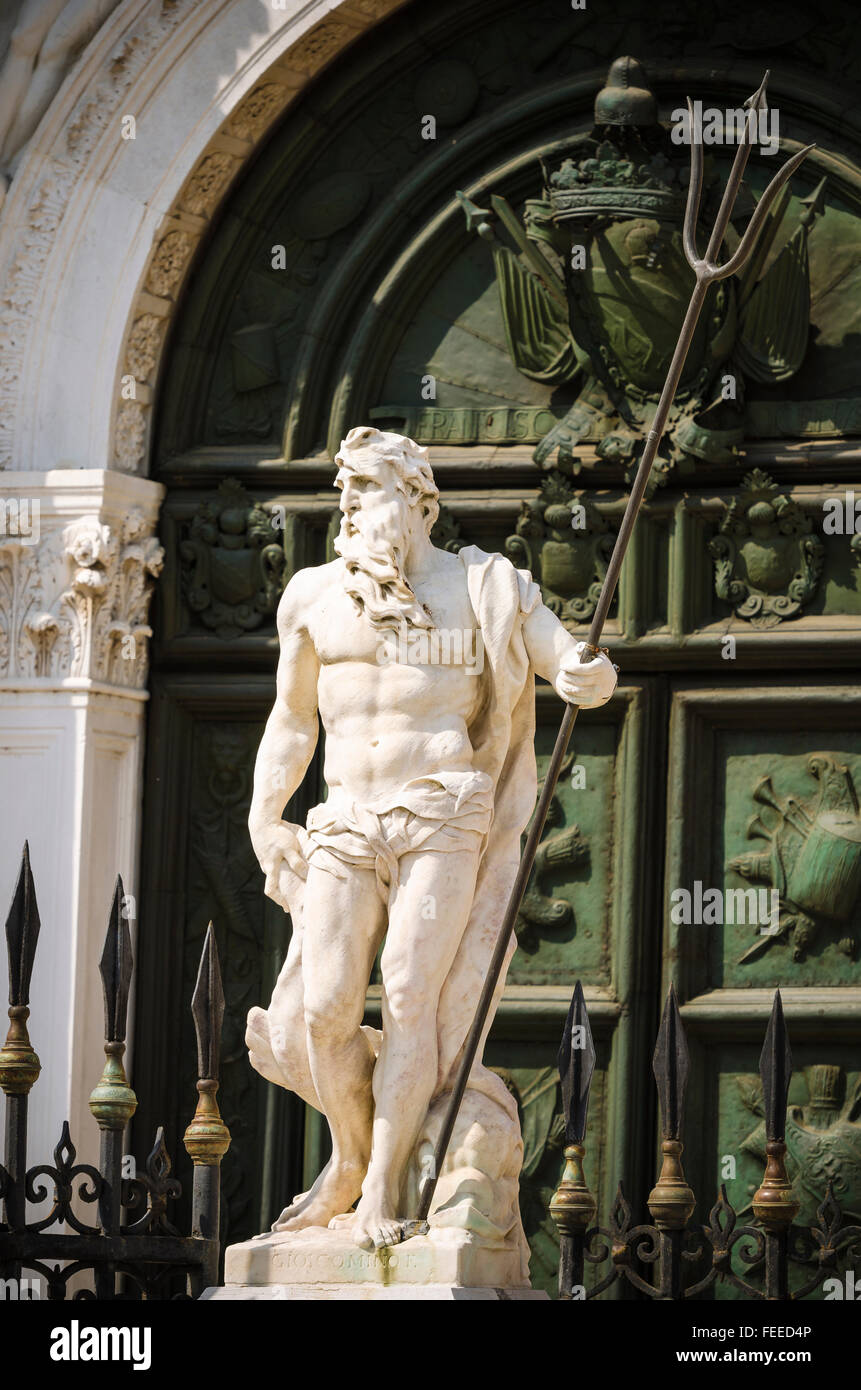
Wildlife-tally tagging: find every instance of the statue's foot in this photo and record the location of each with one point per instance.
(373, 1226)
(335, 1191)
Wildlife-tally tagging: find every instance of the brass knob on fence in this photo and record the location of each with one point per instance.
(19, 1064)
(774, 1202)
(671, 1201)
(572, 1205)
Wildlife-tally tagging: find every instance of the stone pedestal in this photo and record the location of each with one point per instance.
(447, 1265)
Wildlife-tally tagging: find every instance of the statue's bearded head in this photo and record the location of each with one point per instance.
(387, 495)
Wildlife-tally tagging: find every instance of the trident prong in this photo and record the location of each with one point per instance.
(706, 268)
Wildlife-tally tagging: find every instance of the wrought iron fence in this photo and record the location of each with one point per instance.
(677, 1252)
(141, 1257)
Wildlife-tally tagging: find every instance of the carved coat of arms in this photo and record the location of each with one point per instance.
(232, 562)
(597, 289)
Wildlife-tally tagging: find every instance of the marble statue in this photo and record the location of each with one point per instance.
(420, 664)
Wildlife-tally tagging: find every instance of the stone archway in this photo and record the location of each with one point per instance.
(97, 231)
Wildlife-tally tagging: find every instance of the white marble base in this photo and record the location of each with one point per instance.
(318, 1263)
(368, 1293)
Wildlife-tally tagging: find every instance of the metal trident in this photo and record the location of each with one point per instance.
(706, 271)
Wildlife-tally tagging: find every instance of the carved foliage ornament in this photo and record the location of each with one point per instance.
(76, 605)
(563, 850)
(767, 560)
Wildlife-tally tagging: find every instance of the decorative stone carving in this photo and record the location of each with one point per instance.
(208, 182)
(562, 848)
(130, 436)
(169, 262)
(27, 632)
(43, 46)
(767, 559)
(76, 604)
(823, 1140)
(596, 288)
(233, 564)
(374, 9)
(813, 858)
(256, 110)
(89, 112)
(565, 541)
(94, 110)
(319, 44)
(109, 598)
(143, 346)
(536, 1090)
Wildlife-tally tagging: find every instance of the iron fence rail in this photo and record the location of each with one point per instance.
(669, 1246)
(132, 1250)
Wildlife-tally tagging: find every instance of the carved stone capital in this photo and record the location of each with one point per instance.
(76, 581)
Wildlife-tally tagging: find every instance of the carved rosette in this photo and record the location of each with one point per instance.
(76, 603)
(767, 559)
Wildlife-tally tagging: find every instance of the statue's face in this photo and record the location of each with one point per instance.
(372, 504)
(377, 527)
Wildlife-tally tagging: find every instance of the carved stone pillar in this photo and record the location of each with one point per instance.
(78, 560)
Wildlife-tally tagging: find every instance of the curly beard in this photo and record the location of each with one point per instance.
(374, 570)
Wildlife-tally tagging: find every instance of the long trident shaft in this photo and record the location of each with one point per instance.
(706, 271)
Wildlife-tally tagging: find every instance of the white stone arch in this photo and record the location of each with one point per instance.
(98, 231)
(96, 235)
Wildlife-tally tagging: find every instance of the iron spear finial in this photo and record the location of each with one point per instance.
(775, 1069)
(670, 1065)
(576, 1063)
(207, 1138)
(19, 1064)
(22, 933)
(115, 967)
(207, 1009)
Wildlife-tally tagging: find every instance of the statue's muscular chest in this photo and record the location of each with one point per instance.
(343, 634)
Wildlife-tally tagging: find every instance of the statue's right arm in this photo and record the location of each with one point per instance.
(287, 746)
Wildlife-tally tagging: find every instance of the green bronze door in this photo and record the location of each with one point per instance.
(342, 284)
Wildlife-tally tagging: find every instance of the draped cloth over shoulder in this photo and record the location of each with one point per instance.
(503, 737)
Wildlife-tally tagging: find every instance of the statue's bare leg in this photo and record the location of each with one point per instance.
(275, 1037)
(418, 954)
(343, 924)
